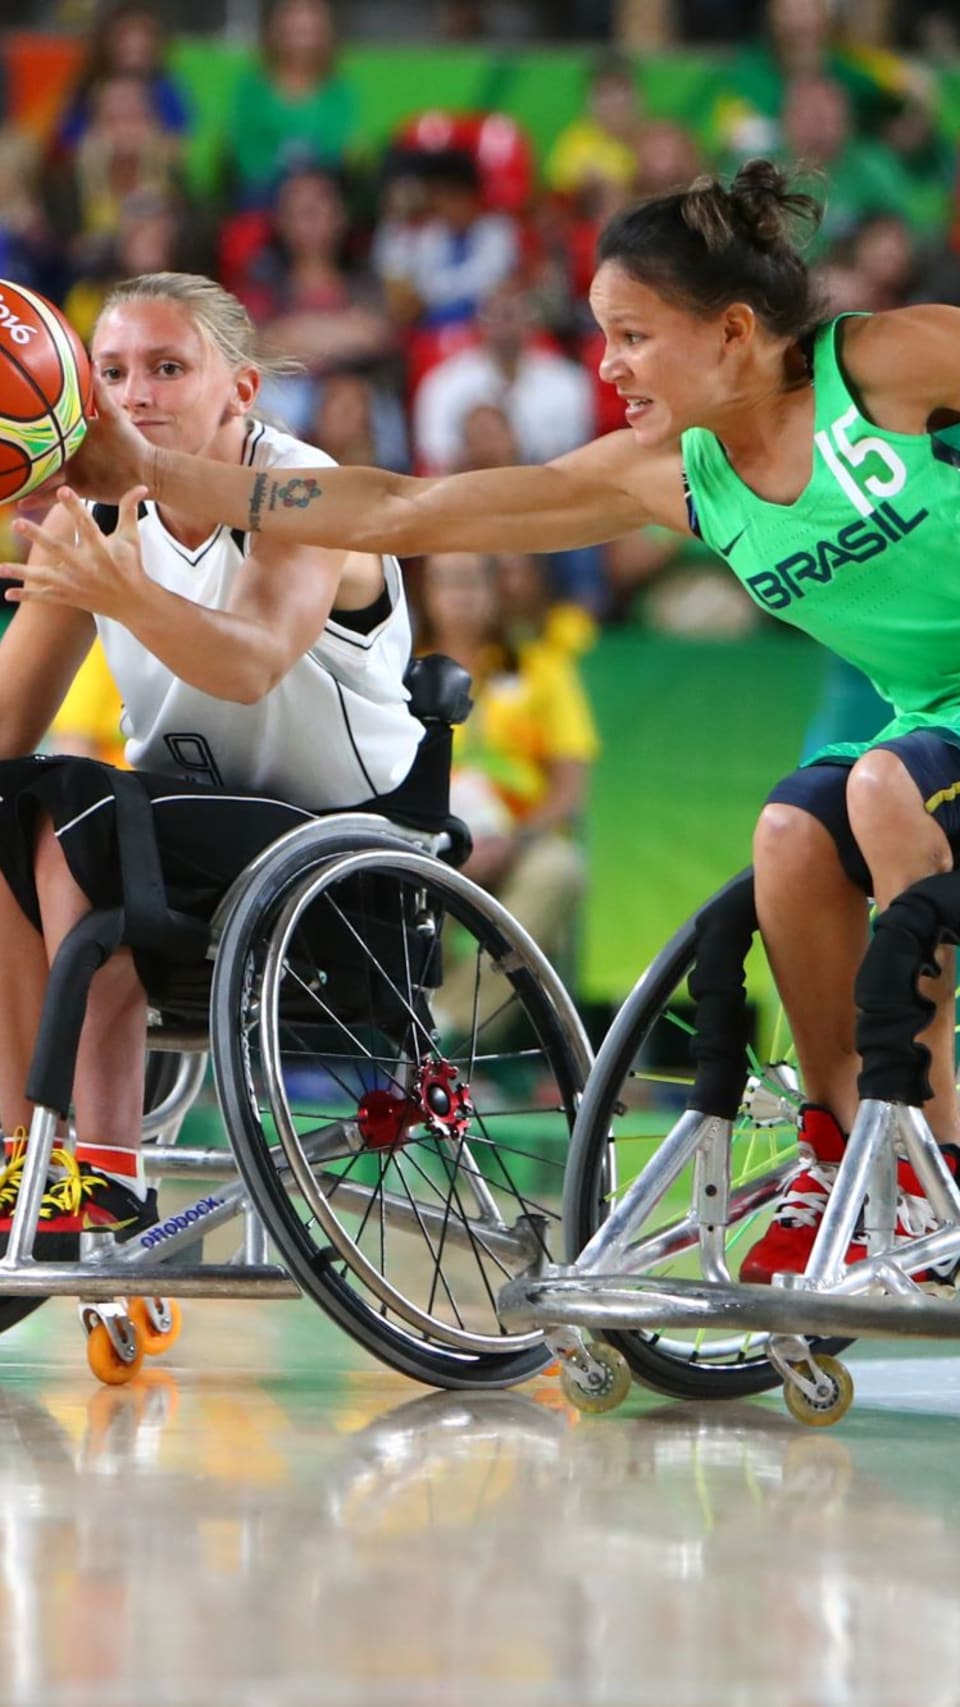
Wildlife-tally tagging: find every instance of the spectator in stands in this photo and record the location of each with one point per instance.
(487, 440)
(669, 156)
(864, 175)
(547, 399)
(440, 270)
(801, 39)
(152, 237)
(28, 248)
(297, 289)
(127, 40)
(292, 108)
(521, 761)
(123, 152)
(603, 146)
(359, 423)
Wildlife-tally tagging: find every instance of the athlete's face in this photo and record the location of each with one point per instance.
(673, 369)
(173, 382)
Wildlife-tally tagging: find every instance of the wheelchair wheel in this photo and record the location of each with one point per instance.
(404, 1167)
(636, 1092)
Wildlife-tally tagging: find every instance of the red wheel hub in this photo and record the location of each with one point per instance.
(437, 1101)
(384, 1119)
(444, 1101)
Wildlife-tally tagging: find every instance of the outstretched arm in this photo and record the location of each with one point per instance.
(589, 496)
(280, 600)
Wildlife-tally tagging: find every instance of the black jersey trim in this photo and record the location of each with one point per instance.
(944, 452)
(374, 792)
(107, 516)
(369, 617)
(693, 521)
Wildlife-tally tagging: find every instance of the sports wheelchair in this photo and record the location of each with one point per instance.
(685, 1136)
(400, 1170)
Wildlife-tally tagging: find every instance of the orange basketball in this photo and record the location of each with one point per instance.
(46, 390)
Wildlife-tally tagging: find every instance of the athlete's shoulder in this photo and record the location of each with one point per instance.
(908, 355)
(268, 446)
(651, 479)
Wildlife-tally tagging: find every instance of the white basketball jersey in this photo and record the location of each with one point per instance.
(336, 731)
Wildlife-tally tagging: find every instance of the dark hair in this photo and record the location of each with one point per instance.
(713, 244)
(453, 168)
(98, 64)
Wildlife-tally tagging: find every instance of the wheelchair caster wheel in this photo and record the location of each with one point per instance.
(603, 1386)
(819, 1409)
(158, 1322)
(107, 1362)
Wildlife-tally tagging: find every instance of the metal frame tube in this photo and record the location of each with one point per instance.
(223, 1280)
(913, 1254)
(165, 1120)
(664, 1166)
(36, 1163)
(711, 1197)
(926, 1157)
(616, 1303)
(682, 1235)
(873, 1127)
(880, 1211)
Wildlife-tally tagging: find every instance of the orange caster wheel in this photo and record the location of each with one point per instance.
(158, 1322)
(105, 1360)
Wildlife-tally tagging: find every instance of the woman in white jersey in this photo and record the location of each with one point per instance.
(262, 683)
(709, 316)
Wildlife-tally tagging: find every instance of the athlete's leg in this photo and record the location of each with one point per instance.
(22, 989)
(108, 1090)
(901, 844)
(813, 919)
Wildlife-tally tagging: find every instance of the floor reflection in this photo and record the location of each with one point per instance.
(330, 1537)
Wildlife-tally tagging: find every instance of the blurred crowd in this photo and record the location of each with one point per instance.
(423, 303)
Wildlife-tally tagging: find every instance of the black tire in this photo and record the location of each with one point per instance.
(589, 1166)
(323, 1271)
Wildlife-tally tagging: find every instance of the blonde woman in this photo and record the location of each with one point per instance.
(261, 682)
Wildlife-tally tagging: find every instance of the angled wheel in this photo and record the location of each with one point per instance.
(636, 1092)
(404, 1167)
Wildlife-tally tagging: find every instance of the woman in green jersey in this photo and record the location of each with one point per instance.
(805, 454)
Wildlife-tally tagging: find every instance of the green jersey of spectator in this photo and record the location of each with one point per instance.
(271, 131)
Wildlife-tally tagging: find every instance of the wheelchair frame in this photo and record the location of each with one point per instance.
(152, 1267)
(608, 1289)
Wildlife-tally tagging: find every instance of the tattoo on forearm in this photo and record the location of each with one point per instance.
(294, 494)
(256, 502)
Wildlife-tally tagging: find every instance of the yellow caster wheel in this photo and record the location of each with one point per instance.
(158, 1322)
(609, 1383)
(819, 1410)
(105, 1360)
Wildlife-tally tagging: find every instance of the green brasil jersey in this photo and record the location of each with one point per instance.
(867, 560)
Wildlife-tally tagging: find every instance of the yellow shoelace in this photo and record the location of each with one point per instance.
(64, 1197)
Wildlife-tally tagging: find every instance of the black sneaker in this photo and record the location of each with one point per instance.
(108, 1206)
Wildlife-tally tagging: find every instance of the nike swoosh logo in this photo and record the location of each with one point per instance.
(726, 549)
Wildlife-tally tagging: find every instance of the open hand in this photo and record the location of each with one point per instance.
(100, 574)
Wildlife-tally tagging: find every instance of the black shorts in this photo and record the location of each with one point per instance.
(821, 790)
(205, 837)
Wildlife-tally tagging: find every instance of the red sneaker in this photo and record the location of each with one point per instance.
(786, 1245)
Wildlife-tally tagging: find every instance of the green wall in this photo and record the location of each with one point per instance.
(694, 735)
(542, 88)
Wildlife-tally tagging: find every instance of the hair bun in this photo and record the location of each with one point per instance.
(759, 207)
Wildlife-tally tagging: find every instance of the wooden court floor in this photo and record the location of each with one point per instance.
(268, 1519)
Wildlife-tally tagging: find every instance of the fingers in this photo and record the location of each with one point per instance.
(39, 536)
(127, 516)
(86, 527)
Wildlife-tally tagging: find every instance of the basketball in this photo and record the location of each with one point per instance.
(46, 390)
